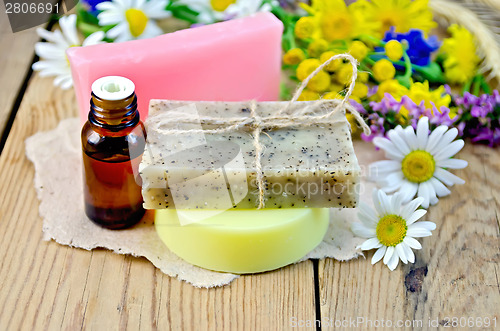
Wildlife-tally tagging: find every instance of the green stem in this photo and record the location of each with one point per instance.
(476, 85)
(370, 60)
(485, 86)
(408, 67)
(467, 86)
(376, 41)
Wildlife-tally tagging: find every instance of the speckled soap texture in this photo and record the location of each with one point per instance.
(311, 166)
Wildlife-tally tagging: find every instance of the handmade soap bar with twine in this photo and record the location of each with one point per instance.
(224, 155)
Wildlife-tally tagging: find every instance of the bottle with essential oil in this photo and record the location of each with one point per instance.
(113, 141)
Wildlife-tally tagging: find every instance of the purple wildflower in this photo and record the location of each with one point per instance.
(479, 117)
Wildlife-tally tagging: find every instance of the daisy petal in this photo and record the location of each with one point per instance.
(423, 192)
(410, 208)
(426, 225)
(452, 163)
(408, 189)
(447, 177)
(422, 132)
(401, 252)
(418, 231)
(449, 150)
(410, 138)
(68, 27)
(362, 231)
(396, 202)
(447, 138)
(379, 254)
(392, 179)
(393, 262)
(398, 141)
(367, 211)
(412, 242)
(390, 150)
(384, 202)
(441, 190)
(94, 39)
(370, 244)
(383, 167)
(388, 254)
(435, 137)
(376, 203)
(409, 253)
(367, 220)
(418, 214)
(67, 82)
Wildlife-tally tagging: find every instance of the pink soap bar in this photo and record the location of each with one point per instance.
(235, 60)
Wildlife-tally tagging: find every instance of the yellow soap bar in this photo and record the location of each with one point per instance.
(242, 241)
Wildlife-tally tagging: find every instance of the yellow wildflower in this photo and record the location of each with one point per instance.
(333, 95)
(352, 121)
(461, 60)
(318, 83)
(358, 50)
(294, 56)
(344, 75)
(305, 27)
(332, 66)
(420, 92)
(317, 47)
(308, 95)
(403, 15)
(336, 88)
(338, 21)
(360, 90)
(394, 50)
(392, 87)
(363, 76)
(306, 67)
(403, 116)
(383, 70)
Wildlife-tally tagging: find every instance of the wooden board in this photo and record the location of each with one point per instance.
(15, 61)
(48, 286)
(456, 274)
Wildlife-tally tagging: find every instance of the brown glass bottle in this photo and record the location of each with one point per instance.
(113, 141)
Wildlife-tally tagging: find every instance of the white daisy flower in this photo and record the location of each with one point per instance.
(53, 52)
(134, 19)
(211, 11)
(392, 228)
(417, 162)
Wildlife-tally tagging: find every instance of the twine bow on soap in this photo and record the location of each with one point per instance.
(307, 116)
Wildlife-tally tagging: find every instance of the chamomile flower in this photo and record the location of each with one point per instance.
(417, 162)
(134, 19)
(211, 11)
(53, 52)
(392, 228)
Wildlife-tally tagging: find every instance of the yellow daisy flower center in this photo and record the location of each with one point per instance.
(137, 21)
(418, 166)
(391, 230)
(221, 5)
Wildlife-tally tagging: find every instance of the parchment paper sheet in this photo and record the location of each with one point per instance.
(56, 156)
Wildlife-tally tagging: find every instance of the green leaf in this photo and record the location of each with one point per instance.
(431, 72)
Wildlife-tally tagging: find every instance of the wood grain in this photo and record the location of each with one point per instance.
(44, 285)
(456, 272)
(15, 60)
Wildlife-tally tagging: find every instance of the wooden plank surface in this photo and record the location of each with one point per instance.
(15, 61)
(456, 274)
(44, 285)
